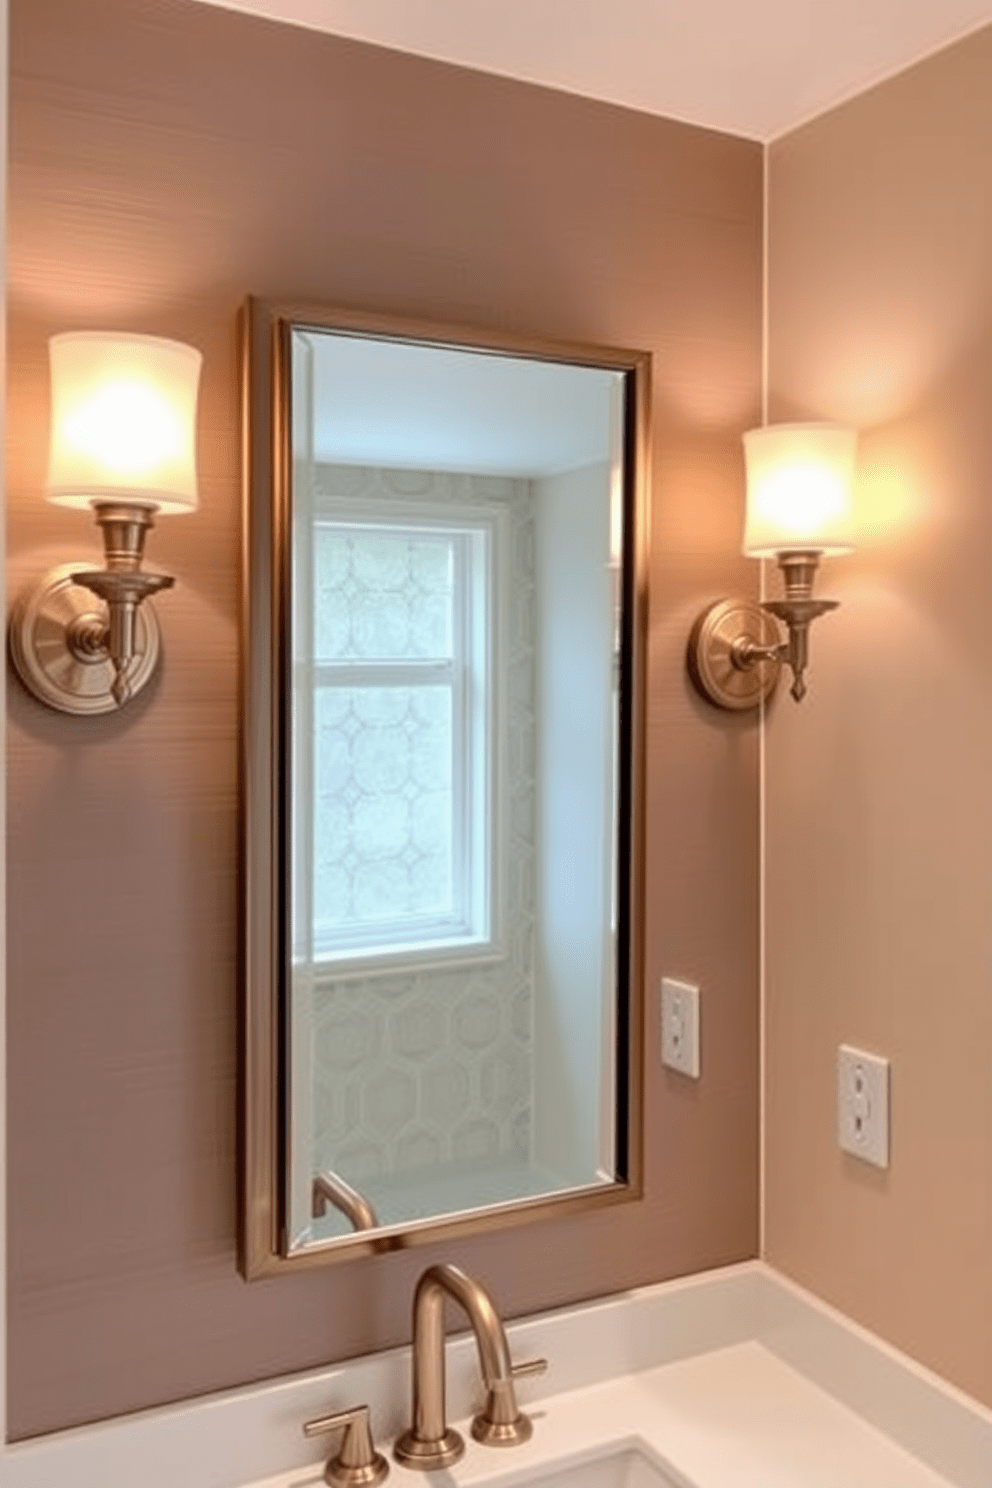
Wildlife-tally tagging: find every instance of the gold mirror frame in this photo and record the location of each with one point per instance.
(264, 336)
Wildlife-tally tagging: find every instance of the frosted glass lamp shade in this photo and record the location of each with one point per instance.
(800, 489)
(123, 421)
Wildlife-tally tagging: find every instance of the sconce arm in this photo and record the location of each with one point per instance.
(122, 594)
(122, 585)
(797, 615)
(746, 653)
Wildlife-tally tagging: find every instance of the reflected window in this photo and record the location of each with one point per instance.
(392, 684)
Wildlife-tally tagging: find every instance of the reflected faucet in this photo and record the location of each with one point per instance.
(431, 1443)
(328, 1188)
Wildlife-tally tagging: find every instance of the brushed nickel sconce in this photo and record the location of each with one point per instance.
(123, 440)
(800, 481)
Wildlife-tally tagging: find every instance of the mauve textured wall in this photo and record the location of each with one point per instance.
(168, 158)
(879, 844)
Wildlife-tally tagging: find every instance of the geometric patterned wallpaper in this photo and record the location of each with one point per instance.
(433, 1066)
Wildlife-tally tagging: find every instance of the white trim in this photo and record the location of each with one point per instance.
(930, 1418)
(442, 955)
(402, 511)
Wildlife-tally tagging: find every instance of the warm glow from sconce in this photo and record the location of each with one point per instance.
(800, 489)
(123, 427)
(123, 421)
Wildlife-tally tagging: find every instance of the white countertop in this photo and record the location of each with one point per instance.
(733, 1418)
(733, 1379)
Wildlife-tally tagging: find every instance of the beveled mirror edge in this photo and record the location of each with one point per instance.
(258, 1029)
(263, 350)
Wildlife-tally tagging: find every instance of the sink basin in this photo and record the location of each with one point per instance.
(623, 1468)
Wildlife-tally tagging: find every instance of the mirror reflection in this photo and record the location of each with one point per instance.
(456, 783)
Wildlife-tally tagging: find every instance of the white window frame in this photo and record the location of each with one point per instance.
(473, 932)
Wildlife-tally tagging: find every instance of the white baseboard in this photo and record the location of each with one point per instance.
(942, 1426)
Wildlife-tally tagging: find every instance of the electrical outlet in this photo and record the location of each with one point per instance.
(680, 1027)
(863, 1105)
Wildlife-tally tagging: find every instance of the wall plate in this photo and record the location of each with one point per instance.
(680, 1026)
(863, 1105)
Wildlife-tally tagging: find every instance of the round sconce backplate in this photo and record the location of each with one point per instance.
(711, 656)
(55, 644)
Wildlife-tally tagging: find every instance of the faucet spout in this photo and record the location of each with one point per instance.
(431, 1443)
(330, 1188)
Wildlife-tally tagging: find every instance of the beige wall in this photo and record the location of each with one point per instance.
(167, 159)
(880, 786)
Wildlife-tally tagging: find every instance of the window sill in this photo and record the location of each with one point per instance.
(440, 956)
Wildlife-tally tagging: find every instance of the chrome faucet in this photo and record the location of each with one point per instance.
(431, 1443)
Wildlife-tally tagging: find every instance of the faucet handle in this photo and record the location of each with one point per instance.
(357, 1464)
(501, 1422)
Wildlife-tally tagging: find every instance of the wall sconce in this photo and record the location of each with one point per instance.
(800, 483)
(123, 440)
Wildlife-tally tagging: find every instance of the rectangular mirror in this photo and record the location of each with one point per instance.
(443, 678)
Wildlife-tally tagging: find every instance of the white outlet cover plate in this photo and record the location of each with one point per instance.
(863, 1105)
(680, 1026)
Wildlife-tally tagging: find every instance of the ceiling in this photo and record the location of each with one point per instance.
(746, 69)
(418, 407)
